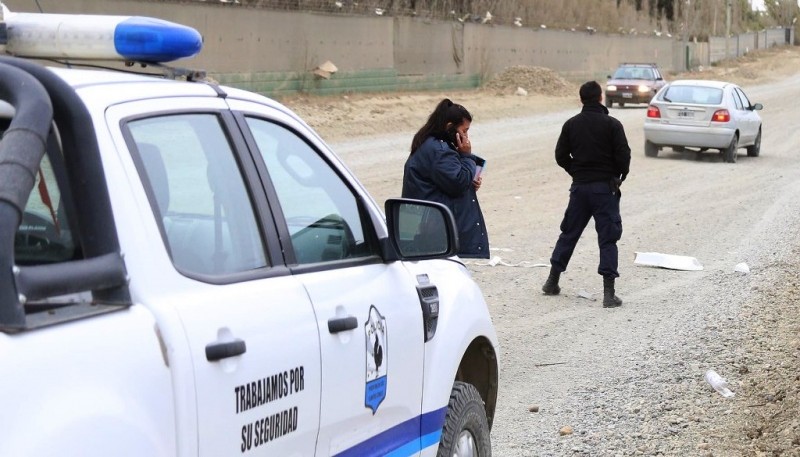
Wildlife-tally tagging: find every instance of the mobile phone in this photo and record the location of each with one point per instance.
(452, 133)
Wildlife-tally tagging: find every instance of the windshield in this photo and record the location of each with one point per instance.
(634, 73)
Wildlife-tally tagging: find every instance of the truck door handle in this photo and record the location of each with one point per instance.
(219, 351)
(342, 324)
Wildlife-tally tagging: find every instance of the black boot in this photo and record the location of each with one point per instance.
(550, 286)
(609, 299)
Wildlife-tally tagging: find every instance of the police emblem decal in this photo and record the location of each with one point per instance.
(377, 359)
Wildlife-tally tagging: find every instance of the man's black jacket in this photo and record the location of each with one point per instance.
(593, 147)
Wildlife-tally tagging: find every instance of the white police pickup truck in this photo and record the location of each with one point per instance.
(187, 269)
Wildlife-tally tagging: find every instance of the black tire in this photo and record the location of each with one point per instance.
(650, 150)
(466, 430)
(609, 103)
(729, 153)
(622, 104)
(755, 149)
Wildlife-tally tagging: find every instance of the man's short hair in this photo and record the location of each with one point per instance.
(590, 92)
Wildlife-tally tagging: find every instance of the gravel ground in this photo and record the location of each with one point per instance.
(577, 379)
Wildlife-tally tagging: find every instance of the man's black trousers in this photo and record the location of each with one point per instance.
(591, 200)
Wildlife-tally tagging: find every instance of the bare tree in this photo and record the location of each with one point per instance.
(783, 12)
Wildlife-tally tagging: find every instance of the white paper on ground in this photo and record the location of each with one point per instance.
(669, 261)
(741, 268)
(586, 295)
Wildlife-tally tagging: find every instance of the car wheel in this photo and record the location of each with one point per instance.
(755, 149)
(466, 430)
(609, 103)
(622, 104)
(650, 150)
(729, 154)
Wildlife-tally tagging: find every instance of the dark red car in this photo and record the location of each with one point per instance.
(633, 83)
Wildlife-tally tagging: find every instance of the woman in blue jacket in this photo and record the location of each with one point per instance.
(442, 168)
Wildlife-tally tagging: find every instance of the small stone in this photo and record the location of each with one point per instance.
(565, 430)
(703, 446)
(534, 409)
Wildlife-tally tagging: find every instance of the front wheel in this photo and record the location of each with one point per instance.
(729, 154)
(466, 430)
(609, 103)
(650, 150)
(755, 149)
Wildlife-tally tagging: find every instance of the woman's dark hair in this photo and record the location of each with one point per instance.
(446, 112)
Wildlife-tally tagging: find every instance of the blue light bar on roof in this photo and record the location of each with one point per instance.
(82, 36)
(153, 40)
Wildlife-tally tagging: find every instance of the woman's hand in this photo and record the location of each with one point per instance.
(463, 144)
(477, 183)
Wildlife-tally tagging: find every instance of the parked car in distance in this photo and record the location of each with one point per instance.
(633, 83)
(701, 115)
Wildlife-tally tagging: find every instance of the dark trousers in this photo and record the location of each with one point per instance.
(590, 200)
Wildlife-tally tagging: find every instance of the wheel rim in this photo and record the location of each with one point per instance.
(465, 446)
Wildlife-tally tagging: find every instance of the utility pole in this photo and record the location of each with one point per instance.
(714, 27)
(727, 25)
(686, 59)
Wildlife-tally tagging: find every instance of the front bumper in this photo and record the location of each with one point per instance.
(625, 96)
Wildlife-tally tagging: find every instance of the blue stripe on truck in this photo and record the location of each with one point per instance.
(404, 439)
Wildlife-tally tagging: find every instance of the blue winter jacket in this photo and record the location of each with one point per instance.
(437, 172)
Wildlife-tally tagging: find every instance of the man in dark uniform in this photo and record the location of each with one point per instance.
(594, 151)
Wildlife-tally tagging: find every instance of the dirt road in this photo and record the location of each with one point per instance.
(629, 381)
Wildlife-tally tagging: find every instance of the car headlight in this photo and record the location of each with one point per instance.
(611, 88)
(644, 88)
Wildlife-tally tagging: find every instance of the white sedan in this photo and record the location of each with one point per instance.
(701, 115)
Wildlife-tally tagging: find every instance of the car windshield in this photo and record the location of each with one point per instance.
(634, 73)
(693, 94)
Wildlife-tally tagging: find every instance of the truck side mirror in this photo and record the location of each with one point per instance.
(421, 229)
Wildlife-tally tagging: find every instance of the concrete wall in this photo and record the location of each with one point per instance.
(273, 52)
(579, 55)
(739, 45)
(422, 47)
(248, 39)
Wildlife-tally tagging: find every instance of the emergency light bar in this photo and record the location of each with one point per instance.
(98, 37)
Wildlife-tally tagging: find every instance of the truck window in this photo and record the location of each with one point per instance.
(197, 194)
(44, 234)
(321, 211)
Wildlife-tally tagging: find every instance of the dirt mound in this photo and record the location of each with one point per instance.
(537, 80)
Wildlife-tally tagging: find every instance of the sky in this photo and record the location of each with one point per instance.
(759, 4)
